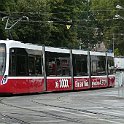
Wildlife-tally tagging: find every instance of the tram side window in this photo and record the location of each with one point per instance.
(21, 65)
(94, 68)
(111, 69)
(18, 65)
(2, 58)
(24, 62)
(98, 65)
(34, 65)
(64, 66)
(12, 70)
(101, 68)
(52, 67)
(38, 65)
(57, 64)
(80, 65)
(35, 62)
(31, 65)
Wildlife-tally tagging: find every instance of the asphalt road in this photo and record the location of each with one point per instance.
(103, 106)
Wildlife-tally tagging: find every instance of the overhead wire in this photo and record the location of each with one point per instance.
(33, 14)
(64, 12)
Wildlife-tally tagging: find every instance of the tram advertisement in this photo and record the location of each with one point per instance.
(98, 82)
(81, 83)
(59, 84)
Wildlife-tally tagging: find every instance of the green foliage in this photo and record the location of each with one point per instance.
(112, 29)
(91, 21)
(117, 52)
(37, 30)
(63, 13)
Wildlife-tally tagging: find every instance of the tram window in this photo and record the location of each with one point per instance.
(31, 65)
(80, 65)
(21, 65)
(64, 65)
(34, 65)
(38, 65)
(2, 58)
(101, 68)
(57, 64)
(18, 62)
(94, 67)
(111, 69)
(98, 65)
(12, 65)
(51, 67)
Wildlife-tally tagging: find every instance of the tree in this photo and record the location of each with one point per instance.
(90, 21)
(37, 30)
(2, 14)
(119, 35)
(87, 25)
(111, 28)
(62, 15)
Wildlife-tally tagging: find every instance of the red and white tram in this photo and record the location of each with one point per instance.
(28, 68)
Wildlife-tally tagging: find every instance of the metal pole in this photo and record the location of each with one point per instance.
(71, 69)
(44, 69)
(113, 44)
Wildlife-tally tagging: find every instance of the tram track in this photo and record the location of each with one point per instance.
(39, 111)
(9, 119)
(100, 116)
(92, 113)
(12, 119)
(60, 111)
(69, 110)
(83, 111)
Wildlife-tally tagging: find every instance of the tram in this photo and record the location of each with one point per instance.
(28, 68)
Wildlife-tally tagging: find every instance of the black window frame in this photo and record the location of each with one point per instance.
(22, 52)
(98, 65)
(58, 64)
(80, 65)
(110, 65)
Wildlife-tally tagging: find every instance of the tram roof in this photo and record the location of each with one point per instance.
(97, 53)
(18, 44)
(79, 52)
(57, 50)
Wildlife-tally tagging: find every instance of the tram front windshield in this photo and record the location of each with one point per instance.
(2, 58)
